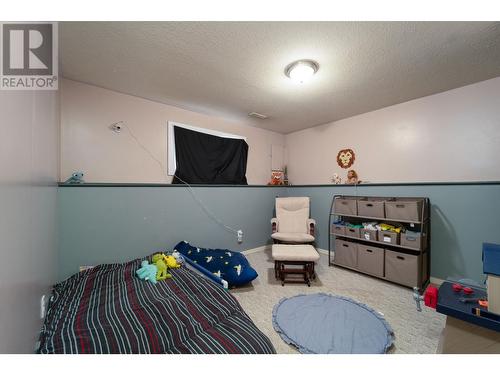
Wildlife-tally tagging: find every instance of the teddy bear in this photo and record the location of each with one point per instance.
(147, 272)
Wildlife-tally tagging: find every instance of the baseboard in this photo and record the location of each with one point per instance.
(256, 249)
(322, 251)
(436, 281)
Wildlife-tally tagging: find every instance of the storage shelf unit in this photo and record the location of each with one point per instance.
(406, 263)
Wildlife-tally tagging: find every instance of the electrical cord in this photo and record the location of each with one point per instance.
(190, 189)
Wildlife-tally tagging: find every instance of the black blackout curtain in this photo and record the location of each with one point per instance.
(209, 159)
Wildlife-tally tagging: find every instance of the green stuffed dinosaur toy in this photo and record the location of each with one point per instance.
(147, 272)
(159, 262)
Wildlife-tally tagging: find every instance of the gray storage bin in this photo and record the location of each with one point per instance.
(338, 229)
(371, 260)
(345, 206)
(406, 210)
(388, 237)
(369, 207)
(402, 268)
(352, 232)
(368, 234)
(346, 253)
(412, 240)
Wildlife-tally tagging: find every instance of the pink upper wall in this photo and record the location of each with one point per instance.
(88, 145)
(451, 136)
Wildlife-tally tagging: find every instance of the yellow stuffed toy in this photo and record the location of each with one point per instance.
(159, 262)
(171, 261)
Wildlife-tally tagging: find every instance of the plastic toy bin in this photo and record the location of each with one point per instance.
(409, 210)
(412, 240)
(338, 229)
(368, 234)
(369, 207)
(388, 237)
(352, 232)
(345, 206)
(402, 268)
(346, 253)
(371, 260)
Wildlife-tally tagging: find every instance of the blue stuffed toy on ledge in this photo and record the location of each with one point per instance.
(76, 178)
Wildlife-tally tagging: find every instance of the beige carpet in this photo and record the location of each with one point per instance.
(415, 332)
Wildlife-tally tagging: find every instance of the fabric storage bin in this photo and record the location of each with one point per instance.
(407, 210)
(371, 260)
(369, 207)
(412, 240)
(402, 268)
(352, 232)
(346, 253)
(389, 237)
(368, 234)
(345, 206)
(338, 229)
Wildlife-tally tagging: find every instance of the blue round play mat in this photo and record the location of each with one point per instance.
(325, 324)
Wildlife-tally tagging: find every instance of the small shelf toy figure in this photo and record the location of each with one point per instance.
(352, 177)
(336, 179)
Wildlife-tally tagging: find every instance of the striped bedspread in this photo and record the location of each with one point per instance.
(108, 310)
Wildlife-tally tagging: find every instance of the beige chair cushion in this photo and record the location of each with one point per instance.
(299, 253)
(292, 214)
(292, 237)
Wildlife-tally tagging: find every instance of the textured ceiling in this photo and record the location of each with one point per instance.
(233, 68)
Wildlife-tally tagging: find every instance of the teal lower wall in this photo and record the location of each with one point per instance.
(117, 223)
(463, 216)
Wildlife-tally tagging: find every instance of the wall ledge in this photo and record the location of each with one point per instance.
(444, 183)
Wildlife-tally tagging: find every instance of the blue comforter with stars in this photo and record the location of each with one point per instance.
(228, 265)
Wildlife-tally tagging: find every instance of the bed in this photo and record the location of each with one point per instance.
(107, 309)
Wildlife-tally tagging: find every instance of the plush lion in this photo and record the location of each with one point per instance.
(345, 158)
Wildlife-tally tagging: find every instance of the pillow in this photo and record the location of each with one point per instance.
(228, 265)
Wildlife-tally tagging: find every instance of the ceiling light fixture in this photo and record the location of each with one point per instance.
(301, 71)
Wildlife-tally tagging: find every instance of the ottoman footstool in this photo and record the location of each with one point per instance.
(294, 255)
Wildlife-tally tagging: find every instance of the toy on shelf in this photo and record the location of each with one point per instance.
(159, 262)
(276, 178)
(336, 179)
(147, 272)
(76, 178)
(352, 177)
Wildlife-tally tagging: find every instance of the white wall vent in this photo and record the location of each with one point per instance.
(257, 115)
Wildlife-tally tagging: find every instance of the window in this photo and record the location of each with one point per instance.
(203, 156)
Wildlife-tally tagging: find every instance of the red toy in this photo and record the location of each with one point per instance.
(457, 287)
(468, 290)
(431, 297)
